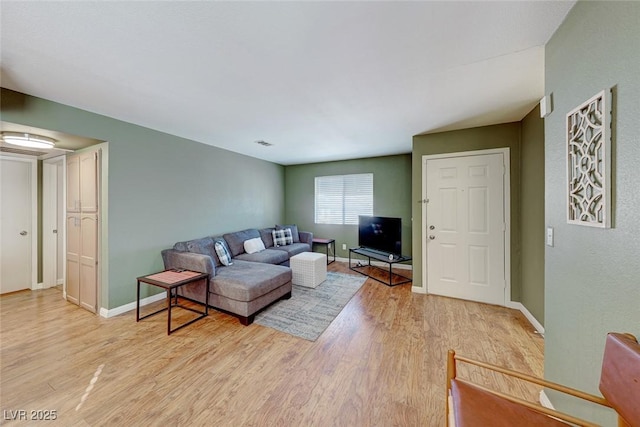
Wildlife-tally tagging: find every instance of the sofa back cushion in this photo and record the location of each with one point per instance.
(235, 240)
(202, 246)
(267, 237)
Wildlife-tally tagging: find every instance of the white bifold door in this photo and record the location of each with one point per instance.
(465, 235)
(82, 230)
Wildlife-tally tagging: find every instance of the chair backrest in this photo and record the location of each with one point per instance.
(620, 378)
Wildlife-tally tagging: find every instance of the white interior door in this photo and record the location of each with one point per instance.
(17, 233)
(465, 233)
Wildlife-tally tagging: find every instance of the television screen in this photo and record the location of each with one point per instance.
(380, 233)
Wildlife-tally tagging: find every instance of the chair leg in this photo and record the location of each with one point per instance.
(451, 374)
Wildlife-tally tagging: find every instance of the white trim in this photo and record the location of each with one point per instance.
(506, 159)
(534, 322)
(419, 290)
(544, 400)
(107, 313)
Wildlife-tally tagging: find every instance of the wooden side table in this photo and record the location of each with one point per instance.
(326, 243)
(171, 280)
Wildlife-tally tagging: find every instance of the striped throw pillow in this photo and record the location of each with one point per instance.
(223, 253)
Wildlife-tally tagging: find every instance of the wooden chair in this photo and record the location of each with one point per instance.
(470, 404)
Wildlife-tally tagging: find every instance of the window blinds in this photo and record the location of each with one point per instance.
(340, 199)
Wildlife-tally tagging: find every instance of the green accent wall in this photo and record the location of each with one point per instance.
(161, 188)
(532, 230)
(391, 196)
(592, 275)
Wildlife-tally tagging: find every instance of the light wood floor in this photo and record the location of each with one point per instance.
(380, 363)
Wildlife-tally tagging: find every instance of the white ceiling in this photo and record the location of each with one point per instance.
(319, 80)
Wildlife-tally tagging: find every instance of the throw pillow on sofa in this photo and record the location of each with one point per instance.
(252, 246)
(223, 253)
(294, 231)
(282, 237)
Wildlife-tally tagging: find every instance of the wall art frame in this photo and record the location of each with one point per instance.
(588, 131)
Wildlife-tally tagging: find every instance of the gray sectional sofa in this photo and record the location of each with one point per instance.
(252, 281)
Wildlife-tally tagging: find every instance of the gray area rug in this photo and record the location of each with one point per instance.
(310, 311)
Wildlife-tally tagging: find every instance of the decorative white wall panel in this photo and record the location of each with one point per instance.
(588, 163)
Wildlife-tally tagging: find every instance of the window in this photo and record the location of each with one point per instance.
(341, 198)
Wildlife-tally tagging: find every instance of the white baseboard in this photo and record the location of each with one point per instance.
(38, 286)
(104, 312)
(544, 400)
(518, 306)
(418, 289)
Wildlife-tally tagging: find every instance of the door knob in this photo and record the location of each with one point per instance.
(432, 227)
(432, 237)
(23, 233)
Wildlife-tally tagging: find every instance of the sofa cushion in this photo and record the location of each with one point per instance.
(266, 234)
(269, 256)
(223, 253)
(203, 246)
(294, 231)
(294, 249)
(282, 237)
(236, 240)
(254, 245)
(246, 281)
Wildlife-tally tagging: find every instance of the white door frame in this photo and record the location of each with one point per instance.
(50, 189)
(507, 213)
(34, 212)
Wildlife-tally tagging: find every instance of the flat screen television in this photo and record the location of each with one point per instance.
(380, 233)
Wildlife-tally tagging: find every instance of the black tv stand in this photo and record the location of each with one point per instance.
(367, 269)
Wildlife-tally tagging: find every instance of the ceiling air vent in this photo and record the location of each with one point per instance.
(264, 143)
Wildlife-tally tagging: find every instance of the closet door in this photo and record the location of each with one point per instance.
(73, 258)
(73, 184)
(82, 230)
(89, 261)
(89, 182)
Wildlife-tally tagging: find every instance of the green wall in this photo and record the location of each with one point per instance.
(481, 138)
(592, 275)
(161, 188)
(532, 233)
(391, 197)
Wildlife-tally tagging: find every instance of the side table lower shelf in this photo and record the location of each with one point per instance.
(171, 280)
(384, 258)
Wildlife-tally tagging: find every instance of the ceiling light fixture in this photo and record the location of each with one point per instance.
(28, 140)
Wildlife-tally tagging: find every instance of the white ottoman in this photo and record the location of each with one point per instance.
(309, 269)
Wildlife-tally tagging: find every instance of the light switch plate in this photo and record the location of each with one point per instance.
(550, 236)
